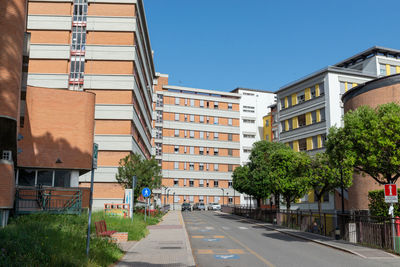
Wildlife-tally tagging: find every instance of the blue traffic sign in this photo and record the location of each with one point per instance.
(146, 192)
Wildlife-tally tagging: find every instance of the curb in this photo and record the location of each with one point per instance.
(190, 256)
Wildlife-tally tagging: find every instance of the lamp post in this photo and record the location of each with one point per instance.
(223, 193)
(165, 191)
(173, 207)
(227, 198)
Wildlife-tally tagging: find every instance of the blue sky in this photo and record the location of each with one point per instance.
(263, 44)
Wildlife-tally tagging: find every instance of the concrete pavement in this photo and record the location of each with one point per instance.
(219, 239)
(166, 245)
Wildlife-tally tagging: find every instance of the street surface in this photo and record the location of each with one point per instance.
(219, 239)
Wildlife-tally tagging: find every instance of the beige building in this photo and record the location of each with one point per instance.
(197, 143)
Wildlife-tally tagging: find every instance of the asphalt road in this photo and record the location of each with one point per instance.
(218, 239)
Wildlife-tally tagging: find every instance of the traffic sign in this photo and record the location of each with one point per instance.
(146, 192)
(391, 193)
(95, 155)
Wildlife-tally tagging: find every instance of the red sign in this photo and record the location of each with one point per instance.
(391, 193)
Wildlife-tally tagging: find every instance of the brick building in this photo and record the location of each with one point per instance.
(197, 143)
(101, 47)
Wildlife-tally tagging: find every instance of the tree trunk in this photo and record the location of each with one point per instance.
(288, 204)
(258, 202)
(277, 207)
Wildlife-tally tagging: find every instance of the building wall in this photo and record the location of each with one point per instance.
(57, 131)
(117, 66)
(267, 127)
(374, 93)
(197, 143)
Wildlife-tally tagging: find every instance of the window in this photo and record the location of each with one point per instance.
(192, 102)
(215, 120)
(176, 182)
(191, 183)
(230, 184)
(185, 116)
(184, 182)
(186, 133)
(192, 118)
(230, 122)
(80, 11)
(208, 150)
(229, 137)
(176, 133)
(301, 97)
(208, 119)
(230, 200)
(191, 134)
(282, 103)
(321, 89)
(246, 150)
(312, 90)
(290, 123)
(208, 104)
(191, 166)
(216, 167)
(201, 119)
(201, 198)
(301, 119)
(158, 149)
(215, 184)
(159, 116)
(191, 198)
(208, 135)
(314, 116)
(201, 150)
(230, 167)
(177, 100)
(249, 109)
(176, 116)
(62, 178)
(201, 183)
(185, 149)
(215, 105)
(216, 151)
(176, 149)
(248, 121)
(201, 166)
(201, 135)
(322, 112)
(230, 152)
(202, 103)
(215, 136)
(266, 123)
(177, 199)
(158, 132)
(159, 102)
(302, 144)
(77, 68)
(249, 136)
(315, 142)
(185, 167)
(191, 150)
(45, 178)
(229, 106)
(176, 165)
(186, 102)
(382, 69)
(207, 168)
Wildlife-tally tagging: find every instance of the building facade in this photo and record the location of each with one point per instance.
(101, 47)
(308, 107)
(197, 143)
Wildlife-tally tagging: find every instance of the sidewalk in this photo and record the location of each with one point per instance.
(364, 252)
(166, 245)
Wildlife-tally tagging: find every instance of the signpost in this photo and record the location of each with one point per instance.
(391, 197)
(94, 166)
(146, 192)
(133, 195)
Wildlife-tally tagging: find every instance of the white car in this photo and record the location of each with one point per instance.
(214, 206)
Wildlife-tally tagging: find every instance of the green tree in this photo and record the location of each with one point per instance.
(324, 177)
(377, 205)
(289, 171)
(373, 141)
(147, 172)
(260, 165)
(241, 179)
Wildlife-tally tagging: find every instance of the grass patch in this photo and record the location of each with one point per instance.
(60, 240)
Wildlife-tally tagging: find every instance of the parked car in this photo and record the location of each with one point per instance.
(186, 207)
(199, 206)
(214, 206)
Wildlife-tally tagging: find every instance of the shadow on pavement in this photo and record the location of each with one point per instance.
(146, 264)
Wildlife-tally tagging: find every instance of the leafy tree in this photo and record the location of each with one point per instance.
(340, 156)
(324, 177)
(373, 141)
(377, 205)
(289, 171)
(260, 165)
(241, 179)
(147, 172)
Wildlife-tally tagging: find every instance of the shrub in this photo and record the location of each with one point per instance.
(377, 205)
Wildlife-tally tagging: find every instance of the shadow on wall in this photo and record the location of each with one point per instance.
(58, 130)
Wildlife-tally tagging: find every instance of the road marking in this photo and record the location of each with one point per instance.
(211, 239)
(243, 228)
(210, 228)
(219, 236)
(249, 250)
(204, 251)
(236, 251)
(227, 257)
(197, 236)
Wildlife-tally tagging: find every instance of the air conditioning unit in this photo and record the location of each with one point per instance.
(7, 155)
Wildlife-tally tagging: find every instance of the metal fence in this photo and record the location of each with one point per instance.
(378, 232)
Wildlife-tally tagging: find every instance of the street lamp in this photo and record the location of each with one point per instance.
(173, 207)
(223, 193)
(165, 190)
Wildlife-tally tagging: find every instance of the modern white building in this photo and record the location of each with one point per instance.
(308, 107)
(254, 105)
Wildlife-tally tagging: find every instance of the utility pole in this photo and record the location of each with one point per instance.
(94, 166)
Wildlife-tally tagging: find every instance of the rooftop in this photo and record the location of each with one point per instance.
(236, 90)
(370, 52)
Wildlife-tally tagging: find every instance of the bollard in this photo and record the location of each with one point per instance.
(397, 237)
(337, 233)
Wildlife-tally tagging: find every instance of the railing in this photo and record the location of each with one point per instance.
(51, 200)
